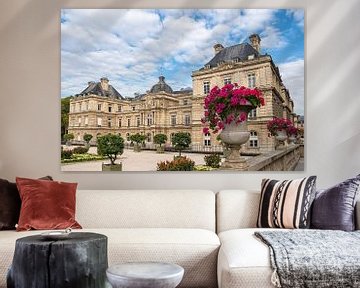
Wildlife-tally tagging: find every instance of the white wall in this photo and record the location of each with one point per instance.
(30, 89)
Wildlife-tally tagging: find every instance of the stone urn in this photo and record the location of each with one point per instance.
(281, 136)
(111, 167)
(292, 139)
(234, 135)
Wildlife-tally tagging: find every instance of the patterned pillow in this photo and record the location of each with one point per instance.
(286, 204)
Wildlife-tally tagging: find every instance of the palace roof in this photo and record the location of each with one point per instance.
(161, 86)
(238, 52)
(96, 89)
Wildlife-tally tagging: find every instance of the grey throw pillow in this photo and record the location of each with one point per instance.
(334, 208)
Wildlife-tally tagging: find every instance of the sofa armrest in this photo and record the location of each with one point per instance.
(357, 215)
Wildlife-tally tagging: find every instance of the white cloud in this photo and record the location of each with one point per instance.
(293, 77)
(272, 38)
(298, 15)
(130, 46)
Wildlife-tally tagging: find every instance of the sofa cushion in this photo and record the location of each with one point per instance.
(46, 204)
(10, 204)
(244, 261)
(146, 209)
(334, 208)
(194, 249)
(286, 204)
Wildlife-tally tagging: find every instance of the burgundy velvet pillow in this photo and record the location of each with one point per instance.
(334, 208)
(46, 204)
(10, 204)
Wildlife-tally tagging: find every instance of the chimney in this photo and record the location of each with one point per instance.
(104, 83)
(255, 41)
(218, 47)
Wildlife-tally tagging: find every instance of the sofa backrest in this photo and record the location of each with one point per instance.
(236, 209)
(146, 209)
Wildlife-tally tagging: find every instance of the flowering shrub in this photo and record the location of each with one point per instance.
(180, 163)
(292, 131)
(228, 104)
(277, 124)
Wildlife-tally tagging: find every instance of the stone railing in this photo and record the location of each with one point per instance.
(279, 160)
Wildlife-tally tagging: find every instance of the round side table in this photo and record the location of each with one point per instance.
(145, 275)
(78, 261)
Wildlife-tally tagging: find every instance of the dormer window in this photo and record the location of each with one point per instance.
(207, 66)
(221, 63)
(236, 60)
(250, 57)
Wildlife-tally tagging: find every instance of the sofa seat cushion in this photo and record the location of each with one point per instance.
(196, 250)
(244, 261)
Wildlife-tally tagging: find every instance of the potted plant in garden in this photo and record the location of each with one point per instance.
(111, 146)
(87, 138)
(68, 138)
(278, 128)
(137, 139)
(160, 139)
(181, 141)
(226, 111)
(292, 132)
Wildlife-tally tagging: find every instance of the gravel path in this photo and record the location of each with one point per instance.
(133, 161)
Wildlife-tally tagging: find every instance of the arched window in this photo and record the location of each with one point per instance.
(254, 140)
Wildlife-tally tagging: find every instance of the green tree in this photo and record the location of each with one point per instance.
(87, 138)
(110, 145)
(65, 108)
(160, 139)
(68, 137)
(181, 141)
(137, 138)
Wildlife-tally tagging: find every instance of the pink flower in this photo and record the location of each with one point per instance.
(243, 101)
(229, 118)
(220, 125)
(243, 116)
(205, 130)
(220, 107)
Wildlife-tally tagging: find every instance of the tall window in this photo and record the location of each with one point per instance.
(80, 106)
(206, 87)
(119, 108)
(149, 119)
(109, 122)
(187, 120)
(86, 119)
(87, 105)
(252, 113)
(99, 122)
(129, 122)
(207, 139)
(137, 121)
(173, 119)
(227, 80)
(99, 107)
(110, 108)
(79, 121)
(251, 80)
(254, 140)
(120, 122)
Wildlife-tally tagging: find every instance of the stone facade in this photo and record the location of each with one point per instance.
(100, 109)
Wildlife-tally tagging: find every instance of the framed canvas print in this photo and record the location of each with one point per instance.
(182, 89)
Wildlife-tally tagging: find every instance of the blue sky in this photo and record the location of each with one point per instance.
(132, 47)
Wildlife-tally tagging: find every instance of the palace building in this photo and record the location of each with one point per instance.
(100, 109)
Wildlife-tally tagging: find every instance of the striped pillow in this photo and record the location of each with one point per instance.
(286, 204)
